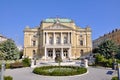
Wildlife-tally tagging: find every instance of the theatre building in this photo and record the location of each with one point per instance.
(57, 36)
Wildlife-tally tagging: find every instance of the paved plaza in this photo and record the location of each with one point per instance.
(93, 74)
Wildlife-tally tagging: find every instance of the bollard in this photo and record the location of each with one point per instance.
(118, 71)
(86, 63)
(2, 71)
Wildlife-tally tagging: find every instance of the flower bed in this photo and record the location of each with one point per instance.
(59, 70)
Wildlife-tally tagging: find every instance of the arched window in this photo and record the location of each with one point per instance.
(34, 53)
(34, 43)
(81, 52)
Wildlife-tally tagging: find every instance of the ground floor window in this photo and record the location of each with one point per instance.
(50, 53)
(65, 53)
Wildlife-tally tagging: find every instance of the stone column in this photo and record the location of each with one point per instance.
(71, 37)
(54, 39)
(62, 53)
(47, 39)
(53, 53)
(45, 53)
(30, 41)
(84, 40)
(61, 38)
(69, 52)
(44, 38)
(68, 37)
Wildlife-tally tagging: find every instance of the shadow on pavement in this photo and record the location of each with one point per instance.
(109, 72)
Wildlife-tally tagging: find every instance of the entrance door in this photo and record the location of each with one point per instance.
(57, 52)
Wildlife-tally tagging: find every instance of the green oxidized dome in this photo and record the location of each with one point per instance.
(62, 20)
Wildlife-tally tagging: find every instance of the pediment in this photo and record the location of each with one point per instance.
(57, 26)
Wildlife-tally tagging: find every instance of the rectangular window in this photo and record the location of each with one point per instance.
(34, 43)
(58, 40)
(81, 42)
(51, 40)
(65, 40)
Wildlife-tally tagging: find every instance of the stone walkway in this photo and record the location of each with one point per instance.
(93, 74)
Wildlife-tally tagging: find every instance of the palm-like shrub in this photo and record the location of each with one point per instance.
(58, 59)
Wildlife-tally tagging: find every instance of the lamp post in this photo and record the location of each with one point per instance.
(114, 65)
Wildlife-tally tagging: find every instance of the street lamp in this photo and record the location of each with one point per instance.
(114, 65)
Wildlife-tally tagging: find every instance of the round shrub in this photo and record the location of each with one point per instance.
(8, 78)
(59, 70)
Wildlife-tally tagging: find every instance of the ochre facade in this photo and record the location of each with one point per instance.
(114, 36)
(57, 37)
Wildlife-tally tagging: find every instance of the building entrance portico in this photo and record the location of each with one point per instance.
(51, 53)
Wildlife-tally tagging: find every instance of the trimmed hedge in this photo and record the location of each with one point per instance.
(16, 65)
(114, 78)
(26, 62)
(8, 78)
(59, 70)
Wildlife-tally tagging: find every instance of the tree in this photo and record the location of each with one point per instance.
(95, 50)
(108, 49)
(118, 53)
(9, 50)
(21, 54)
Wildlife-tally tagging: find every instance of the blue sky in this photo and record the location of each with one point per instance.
(101, 15)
